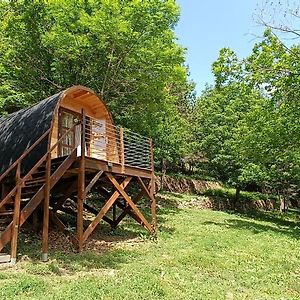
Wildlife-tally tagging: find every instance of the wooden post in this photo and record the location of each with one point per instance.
(152, 189)
(122, 149)
(81, 185)
(16, 217)
(151, 155)
(45, 244)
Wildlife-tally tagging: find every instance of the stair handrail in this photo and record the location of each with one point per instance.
(22, 180)
(27, 152)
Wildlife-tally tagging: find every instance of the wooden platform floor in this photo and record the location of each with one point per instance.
(93, 165)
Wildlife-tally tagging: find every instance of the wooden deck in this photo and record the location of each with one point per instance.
(51, 182)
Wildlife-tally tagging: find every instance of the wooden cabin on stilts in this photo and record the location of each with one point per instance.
(61, 150)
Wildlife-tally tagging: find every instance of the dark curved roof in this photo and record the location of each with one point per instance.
(19, 130)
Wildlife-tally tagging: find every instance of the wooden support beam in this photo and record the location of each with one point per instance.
(114, 212)
(121, 190)
(81, 195)
(153, 204)
(122, 146)
(150, 193)
(105, 209)
(127, 210)
(95, 212)
(45, 243)
(93, 181)
(16, 217)
(152, 189)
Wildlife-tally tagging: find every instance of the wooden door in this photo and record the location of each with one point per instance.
(98, 141)
(67, 120)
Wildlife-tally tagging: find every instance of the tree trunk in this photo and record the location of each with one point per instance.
(237, 197)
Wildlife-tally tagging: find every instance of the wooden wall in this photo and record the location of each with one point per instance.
(94, 108)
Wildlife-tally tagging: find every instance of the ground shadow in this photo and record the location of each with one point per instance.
(273, 223)
(104, 248)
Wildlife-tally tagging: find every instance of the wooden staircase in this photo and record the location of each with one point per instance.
(53, 181)
(26, 192)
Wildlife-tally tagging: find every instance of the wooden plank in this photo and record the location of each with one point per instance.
(96, 164)
(105, 209)
(150, 193)
(4, 258)
(93, 182)
(45, 242)
(122, 150)
(153, 203)
(145, 189)
(130, 202)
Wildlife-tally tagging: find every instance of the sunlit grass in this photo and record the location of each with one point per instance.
(199, 254)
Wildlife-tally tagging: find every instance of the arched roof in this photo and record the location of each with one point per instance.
(19, 130)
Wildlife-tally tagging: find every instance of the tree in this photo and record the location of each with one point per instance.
(248, 123)
(279, 16)
(125, 50)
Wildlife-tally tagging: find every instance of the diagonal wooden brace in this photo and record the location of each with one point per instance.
(121, 190)
(93, 182)
(105, 209)
(128, 211)
(150, 193)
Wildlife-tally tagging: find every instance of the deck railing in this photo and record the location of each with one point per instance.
(117, 144)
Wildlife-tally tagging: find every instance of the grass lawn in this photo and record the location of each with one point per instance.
(199, 254)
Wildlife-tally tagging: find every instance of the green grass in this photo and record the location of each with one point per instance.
(199, 254)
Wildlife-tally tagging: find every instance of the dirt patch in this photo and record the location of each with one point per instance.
(215, 203)
(184, 185)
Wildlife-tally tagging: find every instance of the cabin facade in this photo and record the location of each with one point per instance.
(60, 151)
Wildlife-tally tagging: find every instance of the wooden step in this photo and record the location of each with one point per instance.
(56, 162)
(6, 213)
(29, 191)
(34, 180)
(4, 258)
(38, 174)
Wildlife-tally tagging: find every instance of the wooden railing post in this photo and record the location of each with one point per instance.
(81, 185)
(47, 187)
(152, 188)
(16, 217)
(151, 155)
(122, 149)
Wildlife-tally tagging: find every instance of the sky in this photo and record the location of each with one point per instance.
(206, 26)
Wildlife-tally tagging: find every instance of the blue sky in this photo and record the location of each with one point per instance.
(207, 26)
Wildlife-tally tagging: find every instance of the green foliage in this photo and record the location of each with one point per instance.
(124, 50)
(218, 115)
(247, 124)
